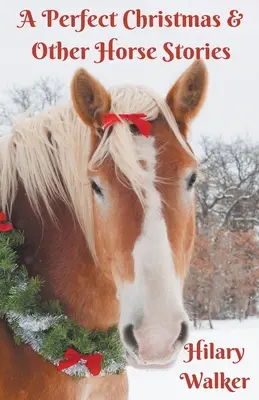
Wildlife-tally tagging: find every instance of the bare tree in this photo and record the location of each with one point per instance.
(229, 195)
(224, 279)
(45, 92)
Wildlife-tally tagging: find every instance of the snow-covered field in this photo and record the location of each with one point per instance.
(167, 385)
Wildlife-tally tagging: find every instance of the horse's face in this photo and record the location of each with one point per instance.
(146, 250)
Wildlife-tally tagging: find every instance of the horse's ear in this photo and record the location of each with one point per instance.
(90, 99)
(186, 97)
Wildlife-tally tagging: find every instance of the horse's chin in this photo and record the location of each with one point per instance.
(133, 363)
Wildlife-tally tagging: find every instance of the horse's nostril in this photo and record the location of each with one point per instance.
(184, 332)
(129, 337)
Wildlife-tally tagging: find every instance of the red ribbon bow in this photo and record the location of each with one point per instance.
(93, 361)
(4, 225)
(143, 125)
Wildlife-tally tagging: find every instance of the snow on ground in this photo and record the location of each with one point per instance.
(167, 385)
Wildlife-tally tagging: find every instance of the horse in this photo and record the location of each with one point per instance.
(108, 217)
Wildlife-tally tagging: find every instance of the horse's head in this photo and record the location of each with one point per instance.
(144, 206)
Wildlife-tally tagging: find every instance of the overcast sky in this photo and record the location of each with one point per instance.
(232, 103)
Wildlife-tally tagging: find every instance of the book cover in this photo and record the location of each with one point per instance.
(129, 187)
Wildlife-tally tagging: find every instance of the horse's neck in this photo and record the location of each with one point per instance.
(60, 255)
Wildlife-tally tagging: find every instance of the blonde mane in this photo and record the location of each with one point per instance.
(50, 155)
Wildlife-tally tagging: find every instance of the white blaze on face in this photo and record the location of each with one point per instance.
(152, 303)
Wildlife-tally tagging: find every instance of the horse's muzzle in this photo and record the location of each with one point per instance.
(154, 346)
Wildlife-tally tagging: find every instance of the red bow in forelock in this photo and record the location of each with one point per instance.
(5, 226)
(92, 361)
(142, 124)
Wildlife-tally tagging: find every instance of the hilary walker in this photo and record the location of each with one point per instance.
(208, 351)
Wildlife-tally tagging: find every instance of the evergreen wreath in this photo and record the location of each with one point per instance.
(44, 326)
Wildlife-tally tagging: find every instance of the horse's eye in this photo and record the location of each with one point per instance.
(96, 188)
(191, 181)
